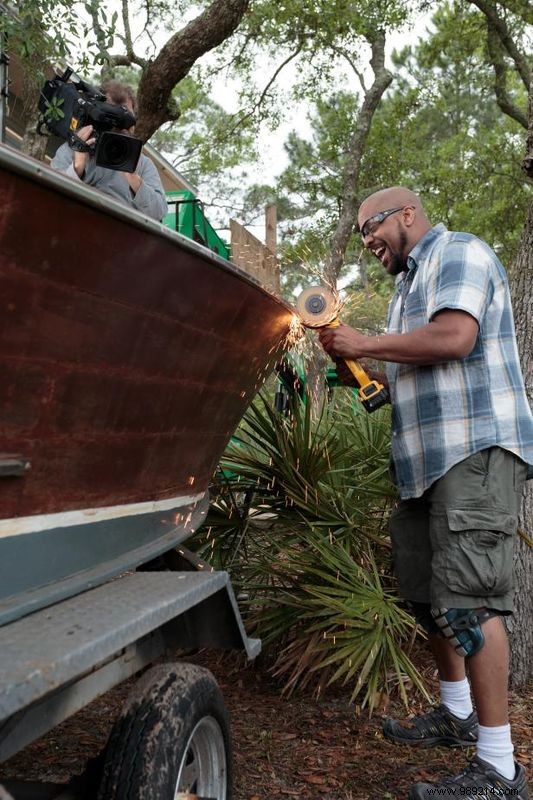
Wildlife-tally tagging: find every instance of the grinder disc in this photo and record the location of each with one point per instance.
(317, 306)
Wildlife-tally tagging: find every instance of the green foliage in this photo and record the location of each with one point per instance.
(301, 51)
(202, 143)
(41, 31)
(441, 133)
(300, 522)
(346, 623)
(438, 131)
(321, 24)
(54, 109)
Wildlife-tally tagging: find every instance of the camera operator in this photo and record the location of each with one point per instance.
(141, 189)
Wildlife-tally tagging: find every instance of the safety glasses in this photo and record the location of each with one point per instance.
(372, 223)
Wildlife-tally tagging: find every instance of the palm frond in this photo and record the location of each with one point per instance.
(299, 516)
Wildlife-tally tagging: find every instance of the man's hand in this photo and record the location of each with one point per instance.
(343, 341)
(346, 375)
(80, 159)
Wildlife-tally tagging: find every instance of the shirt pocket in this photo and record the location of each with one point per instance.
(479, 558)
(414, 310)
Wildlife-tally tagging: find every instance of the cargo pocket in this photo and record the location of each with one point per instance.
(479, 559)
(411, 551)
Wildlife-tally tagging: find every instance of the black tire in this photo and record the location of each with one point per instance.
(173, 735)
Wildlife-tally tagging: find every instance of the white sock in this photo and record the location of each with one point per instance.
(455, 695)
(495, 746)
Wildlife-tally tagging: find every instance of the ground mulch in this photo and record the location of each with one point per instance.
(297, 747)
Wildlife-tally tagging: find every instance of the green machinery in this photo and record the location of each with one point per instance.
(186, 215)
(291, 381)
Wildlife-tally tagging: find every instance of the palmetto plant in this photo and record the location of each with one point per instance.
(299, 519)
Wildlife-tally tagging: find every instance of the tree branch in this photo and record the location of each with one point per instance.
(500, 27)
(527, 163)
(119, 60)
(123, 60)
(503, 98)
(178, 55)
(127, 29)
(263, 94)
(342, 52)
(216, 70)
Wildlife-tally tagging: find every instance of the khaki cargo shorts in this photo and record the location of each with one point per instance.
(453, 547)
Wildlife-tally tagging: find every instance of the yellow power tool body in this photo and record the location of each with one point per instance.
(317, 308)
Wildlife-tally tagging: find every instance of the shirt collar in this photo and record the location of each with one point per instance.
(424, 245)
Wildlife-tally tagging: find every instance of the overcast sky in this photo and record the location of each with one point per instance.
(273, 158)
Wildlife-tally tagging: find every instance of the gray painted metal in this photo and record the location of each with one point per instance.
(54, 647)
(28, 725)
(13, 466)
(85, 555)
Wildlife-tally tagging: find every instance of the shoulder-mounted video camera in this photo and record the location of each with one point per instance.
(67, 105)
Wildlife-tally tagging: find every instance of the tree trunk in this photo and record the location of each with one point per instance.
(350, 178)
(177, 57)
(521, 624)
(521, 283)
(33, 143)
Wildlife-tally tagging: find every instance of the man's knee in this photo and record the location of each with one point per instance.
(461, 627)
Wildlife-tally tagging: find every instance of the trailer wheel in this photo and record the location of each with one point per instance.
(171, 739)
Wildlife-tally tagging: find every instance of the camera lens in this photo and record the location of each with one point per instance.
(115, 152)
(118, 151)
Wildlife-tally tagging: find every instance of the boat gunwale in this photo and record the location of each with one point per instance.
(13, 161)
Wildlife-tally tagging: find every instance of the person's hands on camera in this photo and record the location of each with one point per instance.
(80, 159)
(133, 180)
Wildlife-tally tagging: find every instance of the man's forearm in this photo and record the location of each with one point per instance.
(451, 335)
(417, 347)
(425, 346)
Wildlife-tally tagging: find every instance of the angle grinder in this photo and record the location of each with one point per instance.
(318, 307)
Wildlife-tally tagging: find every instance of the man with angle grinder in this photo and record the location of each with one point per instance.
(462, 440)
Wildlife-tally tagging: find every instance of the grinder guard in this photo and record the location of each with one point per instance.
(318, 307)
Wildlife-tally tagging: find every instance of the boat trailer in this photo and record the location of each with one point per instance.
(57, 660)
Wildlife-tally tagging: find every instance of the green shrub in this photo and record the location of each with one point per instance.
(299, 518)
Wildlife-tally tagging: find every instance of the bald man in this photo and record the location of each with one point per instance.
(462, 440)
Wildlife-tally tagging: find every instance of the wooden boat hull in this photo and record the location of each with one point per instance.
(128, 355)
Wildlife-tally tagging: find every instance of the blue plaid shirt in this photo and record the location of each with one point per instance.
(444, 413)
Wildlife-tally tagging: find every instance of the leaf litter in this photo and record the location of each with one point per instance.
(297, 747)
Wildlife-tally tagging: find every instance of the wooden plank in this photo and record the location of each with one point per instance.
(251, 255)
(271, 228)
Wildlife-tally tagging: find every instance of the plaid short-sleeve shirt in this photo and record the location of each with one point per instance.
(444, 413)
